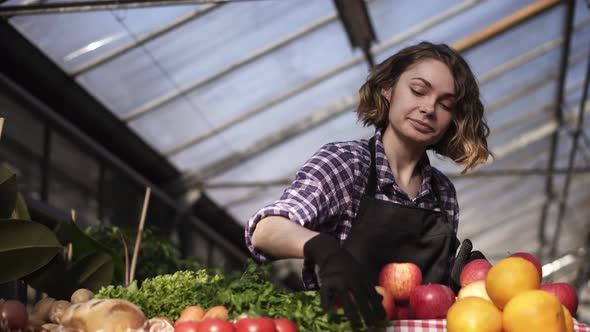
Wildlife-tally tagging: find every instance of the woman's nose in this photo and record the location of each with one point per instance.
(427, 107)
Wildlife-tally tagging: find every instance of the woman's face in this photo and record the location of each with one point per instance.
(421, 104)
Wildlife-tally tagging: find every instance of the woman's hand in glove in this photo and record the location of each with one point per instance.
(342, 276)
(464, 256)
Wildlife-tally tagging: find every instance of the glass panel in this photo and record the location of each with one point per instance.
(280, 116)
(122, 200)
(518, 40)
(273, 165)
(172, 125)
(21, 146)
(76, 38)
(462, 25)
(274, 75)
(189, 53)
(73, 180)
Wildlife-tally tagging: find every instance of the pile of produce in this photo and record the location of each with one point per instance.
(505, 297)
(236, 297)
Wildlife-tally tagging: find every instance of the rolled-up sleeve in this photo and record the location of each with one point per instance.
(321, 190)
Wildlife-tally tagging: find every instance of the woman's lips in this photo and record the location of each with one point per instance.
(421, 126)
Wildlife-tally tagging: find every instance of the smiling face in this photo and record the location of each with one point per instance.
(421, 104)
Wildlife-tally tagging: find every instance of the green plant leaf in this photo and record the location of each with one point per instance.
(93, 271)
(53, 279)
(59, 281)
(83, 245)
(93, 265)
(25, 246)
(21, 209)
(7, 192)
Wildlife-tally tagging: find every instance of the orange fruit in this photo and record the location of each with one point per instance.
(569, 321)
(471, 314)
(509, 277)
(533, 310)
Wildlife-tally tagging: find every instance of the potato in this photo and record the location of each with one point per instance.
(57, 310)
(41, 308)
(35, 320)
(49, 326)
(82, 295)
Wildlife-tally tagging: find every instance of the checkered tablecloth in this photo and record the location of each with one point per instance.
(439, 325)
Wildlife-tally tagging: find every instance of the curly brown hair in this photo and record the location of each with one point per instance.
(465, 141)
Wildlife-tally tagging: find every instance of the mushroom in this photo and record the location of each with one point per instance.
(82, 295)
(41, 308)
(57, 310)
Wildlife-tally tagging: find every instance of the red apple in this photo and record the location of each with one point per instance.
(400, 279)
(388, 302)
(403, 313)
(531, 259)
(475, 270)
(431, 301)
(565, 293)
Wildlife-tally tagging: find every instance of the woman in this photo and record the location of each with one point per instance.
(355, 206)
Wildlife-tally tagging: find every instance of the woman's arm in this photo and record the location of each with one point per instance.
(279, 237)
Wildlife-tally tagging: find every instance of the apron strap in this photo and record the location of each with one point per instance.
(372, 183)
(371, 189)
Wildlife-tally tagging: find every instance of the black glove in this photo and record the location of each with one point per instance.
(342, 276)
(464, 256)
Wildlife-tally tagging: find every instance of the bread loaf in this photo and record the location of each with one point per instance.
(104, 316)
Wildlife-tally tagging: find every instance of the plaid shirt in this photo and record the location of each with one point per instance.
(327, 190)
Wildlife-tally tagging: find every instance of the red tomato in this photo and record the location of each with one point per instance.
(186, 327)
(285, 325)
(215, 325)
(262, 324)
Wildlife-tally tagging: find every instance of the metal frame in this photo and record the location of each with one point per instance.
(501, 152)
(354, 16)
(87, 6)
(324, 76)
(50, 117)
(155, 104)
(558, 120)
(194, 178)
(478, 174)
(145, 39)
(571, 161)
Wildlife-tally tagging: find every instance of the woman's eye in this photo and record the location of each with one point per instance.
(445, 107)
(416, 92)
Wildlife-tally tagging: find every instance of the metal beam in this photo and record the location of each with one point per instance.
(324, 76)
(558, 119)
(528, 56)
(90, 6)
(505, 24)
(501, 152)
(485, 79)
(314, 120)
(194, 178)
(570, 165)
(95, 149)
(356, 21)
(198, 12)
(457, 176)
(163, 100)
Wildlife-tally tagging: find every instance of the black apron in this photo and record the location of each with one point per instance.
(385, 232)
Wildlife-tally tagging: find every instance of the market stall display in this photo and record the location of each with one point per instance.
(212, 301)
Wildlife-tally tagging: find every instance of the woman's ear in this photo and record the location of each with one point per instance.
(386, 92)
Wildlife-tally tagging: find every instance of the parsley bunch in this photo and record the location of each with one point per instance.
(250, 293)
